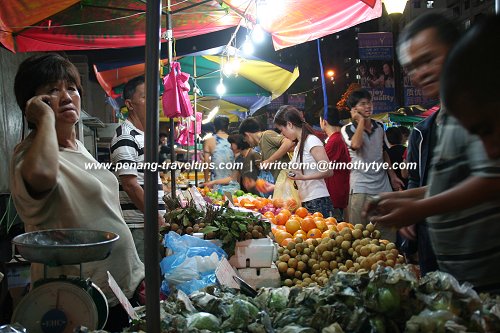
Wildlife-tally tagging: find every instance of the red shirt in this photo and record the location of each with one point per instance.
(338, 184)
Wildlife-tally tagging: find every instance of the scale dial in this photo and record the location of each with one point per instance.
(56, 307)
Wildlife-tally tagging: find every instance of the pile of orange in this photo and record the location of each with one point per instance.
(287, 226)
(251, 202)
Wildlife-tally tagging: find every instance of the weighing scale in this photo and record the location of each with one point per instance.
(59, 305)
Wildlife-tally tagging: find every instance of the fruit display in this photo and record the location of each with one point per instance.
(251, 201)
(216, 222)
(388, 300)
(311, 261)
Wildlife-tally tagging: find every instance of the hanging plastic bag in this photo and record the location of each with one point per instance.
(188, 134)
(192, 264)
(175, 99)
(284, 189)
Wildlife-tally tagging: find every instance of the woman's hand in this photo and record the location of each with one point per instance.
(38, 110)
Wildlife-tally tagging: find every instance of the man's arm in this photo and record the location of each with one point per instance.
(285, 146)
(208, 146)
(134, 191)
(357, 138)
(469, 193)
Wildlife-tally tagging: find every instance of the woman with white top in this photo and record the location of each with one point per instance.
(309, 161)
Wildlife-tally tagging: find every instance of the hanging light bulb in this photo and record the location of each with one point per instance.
(257, 33)
(227, 68)
(236, 64)
(221, 88)
(248, 47)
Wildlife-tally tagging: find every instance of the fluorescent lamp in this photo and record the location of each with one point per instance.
(395, 6)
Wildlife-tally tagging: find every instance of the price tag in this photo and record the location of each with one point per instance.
(229, 197)
(121, 297)
(198, 198)
(225, 274)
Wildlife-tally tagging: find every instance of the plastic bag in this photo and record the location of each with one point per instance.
(285, 190)
(192, 264)
(188, 134)
(175, 99)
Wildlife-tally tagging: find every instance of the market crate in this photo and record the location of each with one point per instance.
(261, 277)
(254, 253)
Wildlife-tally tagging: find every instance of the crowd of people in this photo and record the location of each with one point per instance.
(448, 205)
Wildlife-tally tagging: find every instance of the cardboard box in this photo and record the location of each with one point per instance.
(261, 277)
(255, 253)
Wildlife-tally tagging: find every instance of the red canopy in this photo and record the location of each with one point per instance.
(299, 21)
(47, 25)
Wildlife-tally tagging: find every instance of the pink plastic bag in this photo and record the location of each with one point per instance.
(175, 99)
(187, 134)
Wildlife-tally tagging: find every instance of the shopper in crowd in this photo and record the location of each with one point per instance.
(396, 151)
(405, 133)
(217, 150)
(462, 201)
(310, 152)
(337, 151)
(249, 159)
(243, 158)
(423, 47)
(127, 149)
(53, 189)
(273, 146)
(366, 141)
(476, 106)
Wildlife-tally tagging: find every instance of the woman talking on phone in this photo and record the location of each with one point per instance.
(310, 155)
(53, 186)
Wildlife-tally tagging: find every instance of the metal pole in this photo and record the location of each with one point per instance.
(398, 77)
(153, 21)
(195, 90)
(172, 125)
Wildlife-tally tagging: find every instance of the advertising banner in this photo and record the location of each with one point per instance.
(376, 69)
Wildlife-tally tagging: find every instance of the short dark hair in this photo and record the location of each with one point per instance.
(131, 86)
(356, 96)
(394, 135)
(332, 115)
(221, 123)
(405, 131)
(249, 125)
(459, 79)
(42, 69)
(447, 31)
(239, 141)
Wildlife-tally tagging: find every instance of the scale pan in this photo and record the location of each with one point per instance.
(55, 247)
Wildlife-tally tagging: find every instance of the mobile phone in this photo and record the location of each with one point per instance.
(291, 174)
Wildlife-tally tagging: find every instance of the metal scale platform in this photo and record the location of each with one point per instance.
(59, 305)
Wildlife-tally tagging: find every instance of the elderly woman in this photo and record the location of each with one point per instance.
(53, 186)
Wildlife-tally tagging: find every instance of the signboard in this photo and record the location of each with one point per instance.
(375, 46)
(413, 95)
(376, 69)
